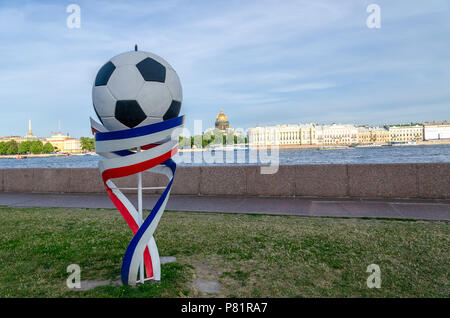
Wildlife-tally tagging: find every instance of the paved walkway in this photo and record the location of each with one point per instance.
(411, 209)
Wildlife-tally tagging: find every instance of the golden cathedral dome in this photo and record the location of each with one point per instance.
(222, 121)
(222, 116)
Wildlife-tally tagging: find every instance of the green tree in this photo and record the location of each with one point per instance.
(197, 141)
(184, 142)
(87, 144)
(84, 143)
(3, 148)
(207, 138)
(240, 139)
(48, 148)
(218, 137)
(36, 147)
(13, 147)
(24, 147)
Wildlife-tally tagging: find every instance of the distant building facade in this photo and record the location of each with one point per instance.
(64, 143)
(282, 135)
(19, 139)
(373, 135)
(286, 135)
(364, 135)
(405, 133)
(436, 131)
(28, 137)
(328, 135)
(303, 135)
(379, 135)
(337, 134)
(60, 142)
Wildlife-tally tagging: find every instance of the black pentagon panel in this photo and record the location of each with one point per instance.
(104, 74)
(129, 113)
(98, 116)
(173, 110)
(152, 70)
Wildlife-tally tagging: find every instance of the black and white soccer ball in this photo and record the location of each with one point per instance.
(135, 89)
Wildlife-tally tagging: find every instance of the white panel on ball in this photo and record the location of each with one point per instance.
(154, 99)
(150, 120)
(125, 82)
(113, 124)
(173, 82)
(104, 102)
(128, 58)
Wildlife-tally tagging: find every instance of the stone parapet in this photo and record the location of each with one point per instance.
(425, 181)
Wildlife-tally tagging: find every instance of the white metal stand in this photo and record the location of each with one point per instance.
(152, 244)
(141, 220)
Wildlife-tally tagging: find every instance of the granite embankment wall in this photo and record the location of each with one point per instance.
(428, 181)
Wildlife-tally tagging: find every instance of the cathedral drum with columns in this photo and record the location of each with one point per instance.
(222, 121)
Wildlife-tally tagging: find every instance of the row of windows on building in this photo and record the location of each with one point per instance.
(312, 134)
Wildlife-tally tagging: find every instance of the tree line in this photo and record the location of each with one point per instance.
(216, 137)
(87, 143)
(12, 147)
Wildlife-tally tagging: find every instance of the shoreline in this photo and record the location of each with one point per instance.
(280, 147)
(324, 147)
(46, 155)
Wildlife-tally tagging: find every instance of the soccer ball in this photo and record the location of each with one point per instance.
(135, 89)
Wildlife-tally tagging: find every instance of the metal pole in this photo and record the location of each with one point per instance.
(141, 268)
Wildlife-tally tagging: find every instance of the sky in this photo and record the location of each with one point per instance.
(263, 62)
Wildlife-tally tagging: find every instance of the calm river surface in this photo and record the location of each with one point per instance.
(398, 154)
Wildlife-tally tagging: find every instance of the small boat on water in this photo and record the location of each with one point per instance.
(227, 148)
(334, 147)
(404, 143)
(368, 145)
(21, 157)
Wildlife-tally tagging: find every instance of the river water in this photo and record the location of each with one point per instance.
(396, 154)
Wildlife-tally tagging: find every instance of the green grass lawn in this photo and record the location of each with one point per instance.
(249, 255)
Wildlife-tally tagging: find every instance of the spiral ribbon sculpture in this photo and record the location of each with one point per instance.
(156, 141)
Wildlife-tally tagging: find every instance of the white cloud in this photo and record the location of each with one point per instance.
(304, 87)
